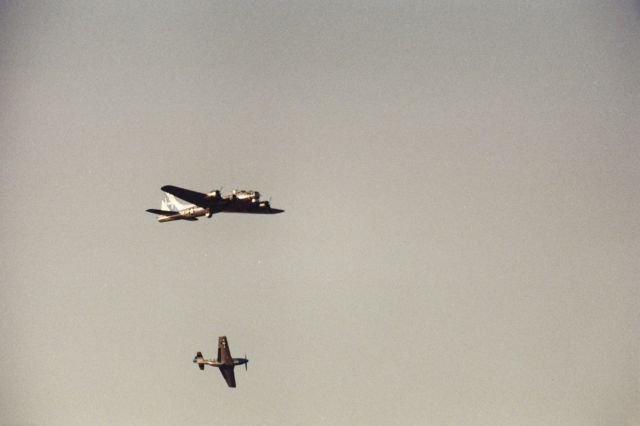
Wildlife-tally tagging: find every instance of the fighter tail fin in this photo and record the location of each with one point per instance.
(199, 360)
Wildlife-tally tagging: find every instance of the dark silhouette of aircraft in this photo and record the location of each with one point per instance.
(225, 362)
(201, 204)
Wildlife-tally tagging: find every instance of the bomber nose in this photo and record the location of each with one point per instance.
(195, 359)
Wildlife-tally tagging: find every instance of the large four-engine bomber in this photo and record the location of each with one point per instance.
(207, 204)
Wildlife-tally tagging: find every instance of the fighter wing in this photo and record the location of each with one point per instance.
(224, 355)
(197, 198)
(229, 377)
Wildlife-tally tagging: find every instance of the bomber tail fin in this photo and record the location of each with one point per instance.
(169, 202)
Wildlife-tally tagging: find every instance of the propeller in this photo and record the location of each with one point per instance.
(247, 362)
(217, 194)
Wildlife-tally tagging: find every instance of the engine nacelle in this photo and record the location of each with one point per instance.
(245, 195)
(215, 194)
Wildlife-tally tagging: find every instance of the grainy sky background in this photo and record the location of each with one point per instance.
(461, 238)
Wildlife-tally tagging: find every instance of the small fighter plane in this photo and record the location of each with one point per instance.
(225, 363)
(201, 204)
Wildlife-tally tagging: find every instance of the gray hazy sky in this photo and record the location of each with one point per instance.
(461, 238)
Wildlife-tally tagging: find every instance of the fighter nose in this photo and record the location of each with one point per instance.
(195, 359)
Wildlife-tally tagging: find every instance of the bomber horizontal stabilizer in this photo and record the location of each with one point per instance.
(163, 212)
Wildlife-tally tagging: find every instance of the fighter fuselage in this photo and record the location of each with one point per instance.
(214, 363)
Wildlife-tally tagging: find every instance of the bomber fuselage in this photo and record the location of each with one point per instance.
(190, 213)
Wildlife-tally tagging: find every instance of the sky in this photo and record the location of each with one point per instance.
(461, 237)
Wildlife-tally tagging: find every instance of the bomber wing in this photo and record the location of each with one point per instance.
(197, 198)
(262, 207)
